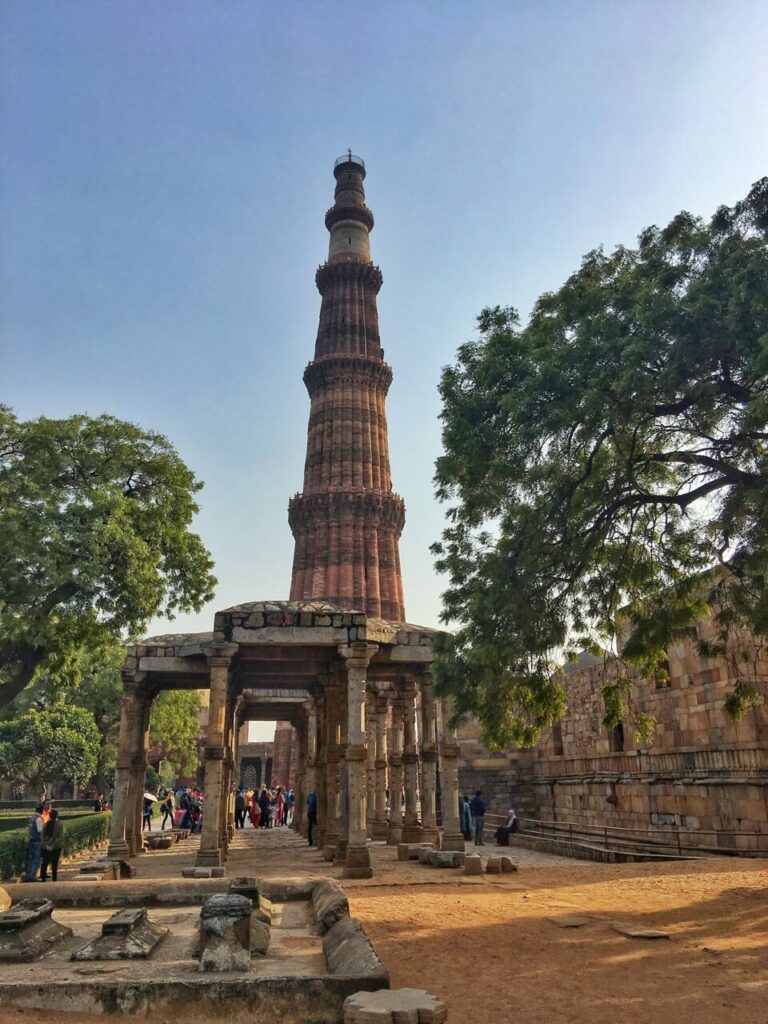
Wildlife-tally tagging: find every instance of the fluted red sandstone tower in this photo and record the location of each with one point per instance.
(347, 522)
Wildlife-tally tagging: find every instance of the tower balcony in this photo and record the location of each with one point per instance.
(349, 159)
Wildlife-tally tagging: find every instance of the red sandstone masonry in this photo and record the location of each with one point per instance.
(347, 521)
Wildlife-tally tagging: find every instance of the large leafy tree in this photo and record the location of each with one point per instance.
(174, 726)
(45, 744)
(608, 463)
(95, 540)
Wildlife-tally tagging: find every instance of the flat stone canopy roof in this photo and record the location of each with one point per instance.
(281, 643)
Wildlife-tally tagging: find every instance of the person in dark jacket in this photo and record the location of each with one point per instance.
(264, 806)
(311, 815)
(52, 845)
(240, 809)
(477, 807)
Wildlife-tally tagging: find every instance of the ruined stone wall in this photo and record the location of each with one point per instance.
(702, 772)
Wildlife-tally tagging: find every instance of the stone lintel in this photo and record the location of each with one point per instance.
(325, 636)
(174, 665)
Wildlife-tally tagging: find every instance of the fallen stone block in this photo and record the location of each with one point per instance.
(330, 904)
(634, 931)
(225, 933)
(424, 854)
(394, 1006)
(90, 876)
(445, 859)
(106, 868)
(473, 864)
(348, 951)
(27, 931)
(493, 866)
(507, 865)
(160, 842)
(127, 935)
(261, 933)
(410, 851)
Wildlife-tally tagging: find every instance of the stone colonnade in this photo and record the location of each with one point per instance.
(357, 739)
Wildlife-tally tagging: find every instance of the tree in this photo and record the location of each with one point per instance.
(94, 541)
(42, 745)
(174, 726)
(607, 466)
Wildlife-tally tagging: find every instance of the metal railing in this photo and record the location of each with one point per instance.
(349, 158)
(677, 841)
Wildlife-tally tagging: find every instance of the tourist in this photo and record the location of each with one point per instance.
(477, 807)
(98, 804)
(239, 809)
(465, 816)
(167, 807)
(149, 810)
(52, 843)
(264, 807)
(254, 810)
(289, 807)
(507, 829)
(280, 807)
(34, 840)
(311, 815)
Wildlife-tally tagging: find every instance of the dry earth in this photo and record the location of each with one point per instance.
(489, 948)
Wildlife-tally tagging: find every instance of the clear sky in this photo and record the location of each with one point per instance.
(165, 170)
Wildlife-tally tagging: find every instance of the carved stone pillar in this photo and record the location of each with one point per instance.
(131, 718)
(321, 772)
(395, 827)
(381, 706)
(370, 767)
(137, 774)
(358, 858)
(332, 788)
(211, 852)
(411, 826)
(452, 838)
(429, 830)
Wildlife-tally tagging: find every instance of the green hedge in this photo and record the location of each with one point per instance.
(10, 822)
(79, 834)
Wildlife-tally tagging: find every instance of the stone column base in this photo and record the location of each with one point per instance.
(411, 834)
(429, 835)
(341, 851)
(394, 834)
(452, 841)
(118, 850)
(209, 859)
(380, 830)
(358, 863)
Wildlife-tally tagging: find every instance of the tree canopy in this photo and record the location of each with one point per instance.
(607, 468)
(44, 744)
(95, 540)
(174, 726)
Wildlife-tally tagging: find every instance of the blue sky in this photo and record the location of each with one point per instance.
(165, 170)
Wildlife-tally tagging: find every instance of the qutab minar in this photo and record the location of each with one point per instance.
(347, 521)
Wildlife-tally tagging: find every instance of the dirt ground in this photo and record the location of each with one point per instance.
(489, 948)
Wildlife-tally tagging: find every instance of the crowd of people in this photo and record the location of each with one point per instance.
(264, 808)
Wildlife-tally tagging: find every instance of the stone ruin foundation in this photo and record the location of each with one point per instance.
(282, 949)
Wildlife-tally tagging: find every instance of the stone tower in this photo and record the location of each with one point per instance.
(347, 521)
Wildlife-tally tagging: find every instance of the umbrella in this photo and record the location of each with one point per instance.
(149, 796)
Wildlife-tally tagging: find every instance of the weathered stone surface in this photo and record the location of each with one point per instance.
(348, 951)
(330, 904)
(160, 842)
(27, 930)
(637, 931)
(106, 868)
(394, 1006)
(215, 872)
(493, 866)
(89, 876)
(445, 858)
(225, 933)
(507, 865)
(245, 886)
(424, 854)
(127, 935)
(410, 851)
(473, 864)
(260, 936)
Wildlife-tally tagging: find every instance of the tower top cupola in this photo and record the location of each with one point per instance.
(349, 220)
